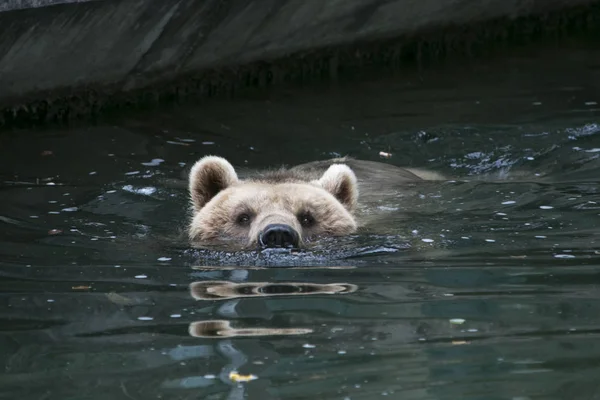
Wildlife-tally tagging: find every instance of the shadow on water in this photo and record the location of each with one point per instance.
(483, 286)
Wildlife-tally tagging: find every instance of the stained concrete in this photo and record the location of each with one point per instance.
(8, 5)
(53, 49)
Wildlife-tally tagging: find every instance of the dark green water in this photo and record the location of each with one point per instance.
(474, 289)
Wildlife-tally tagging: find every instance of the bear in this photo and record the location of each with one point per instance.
(287, 207)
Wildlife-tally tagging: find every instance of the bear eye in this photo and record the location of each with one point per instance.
(306, 219)
(243, 219)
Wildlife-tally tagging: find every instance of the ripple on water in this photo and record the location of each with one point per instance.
(484, 286)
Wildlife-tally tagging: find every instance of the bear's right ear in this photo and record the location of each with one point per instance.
(208, 177)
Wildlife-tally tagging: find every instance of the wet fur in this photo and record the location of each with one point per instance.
(330, 188)
(363, 169)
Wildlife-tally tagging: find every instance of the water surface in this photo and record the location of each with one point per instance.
(481, 287)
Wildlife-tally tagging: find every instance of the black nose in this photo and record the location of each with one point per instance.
(278, 235)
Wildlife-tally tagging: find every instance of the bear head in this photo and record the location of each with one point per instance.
(278, 209)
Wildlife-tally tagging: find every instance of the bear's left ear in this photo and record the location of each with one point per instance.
(340, 181)
(208, 177)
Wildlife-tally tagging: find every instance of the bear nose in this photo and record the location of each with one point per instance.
(279, 235)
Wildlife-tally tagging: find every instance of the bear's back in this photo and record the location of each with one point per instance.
(371, 175)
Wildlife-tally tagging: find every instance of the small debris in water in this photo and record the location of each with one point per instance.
(341, 352)
(427, 240)
(546, 207)
(175, 315)
(209, 376)
(145, 318)
(490, 240)
(82, 287)
(457, 321)
(508, 202)
(177, 143)
(93, 173)
(147, 191)
(132, 173)
(54, 232)
(308, 346)
(154, 163)
(164, 259)
(385, 154)
(70, 209)
(537, 103)
(141, 276)
(540, 237)
(50, 301)
(564, 256)
(459, 342)
(530, 158)
(234, 376)
(465, 237)
(590, 103)
(208, 143)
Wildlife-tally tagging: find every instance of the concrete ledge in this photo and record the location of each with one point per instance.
(8, 5)
(61, 59)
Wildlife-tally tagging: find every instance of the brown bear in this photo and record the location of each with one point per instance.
(287, 207)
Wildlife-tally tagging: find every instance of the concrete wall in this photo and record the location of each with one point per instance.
(8, 5)
(51, 49)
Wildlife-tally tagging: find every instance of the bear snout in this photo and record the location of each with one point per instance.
(278, 235)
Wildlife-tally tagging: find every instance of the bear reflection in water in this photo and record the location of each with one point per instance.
(223, 329)
(288, 208)
(219, 290)
(227, 290)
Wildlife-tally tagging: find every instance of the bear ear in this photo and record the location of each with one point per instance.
(208, 177)
(340, 181)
